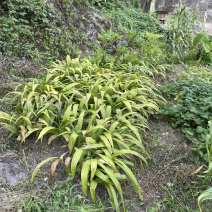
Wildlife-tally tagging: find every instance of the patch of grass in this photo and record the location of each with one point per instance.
(196, 71)
(62, 196)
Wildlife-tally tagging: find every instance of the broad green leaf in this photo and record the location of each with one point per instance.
(113, 126)
(115, 181)
(75, 108)
(197, 39)
(93, 146)
(107, 160)
(95, 114)
(93, 167)
(68, 87)
(103, 112)
(82, 102)
(67, 113)
(10, 128)
(44, 132)
(130, 175)
(84, 176)
(109, 137)
(92, 189)
(135, 130)
(113, 197)
(108, 111)
(206, 47)
(103, 177)
(126, 151)
(135, 141)
(128, 104)
(106, 142)
(80, 121)
(90, 140)
(72, 140)
(204, 196)
(75, 160)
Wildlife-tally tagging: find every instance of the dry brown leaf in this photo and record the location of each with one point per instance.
(79, 196)
(22, 128)
(53, 168)
(66, 138)
(196, 171)
(67, 162)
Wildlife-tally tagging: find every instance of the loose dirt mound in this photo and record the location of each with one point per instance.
(170, 168)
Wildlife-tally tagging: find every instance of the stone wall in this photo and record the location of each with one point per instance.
(173, 5)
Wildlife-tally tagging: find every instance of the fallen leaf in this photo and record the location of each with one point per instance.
(196, 171)
(79, 196)
(53, 168)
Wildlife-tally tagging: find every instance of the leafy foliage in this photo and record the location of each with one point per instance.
(134, 19)
(182, 31)
(62, 196)
(143, 53)
(98, 111)
(196, 71)
(191, 110)
(204, 196)
(205, 46)
(34, 29)
(128, 15)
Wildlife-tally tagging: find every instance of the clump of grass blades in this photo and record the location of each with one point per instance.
(97, 111)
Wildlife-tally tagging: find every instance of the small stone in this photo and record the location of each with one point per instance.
(170, 184)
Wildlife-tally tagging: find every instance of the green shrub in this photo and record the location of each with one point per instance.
(143, 54)
(33, 29)
(191, 110)
(204, 196)
(182, 31)
(134, 19)
(205, 47)
(99, 112)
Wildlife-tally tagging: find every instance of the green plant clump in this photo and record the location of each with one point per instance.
(142, 54)
(99, 112)
(135, 19)
(33, 29)
(203, 41)
(196, 72)
(191, 110)
(128, 15)
(182, 32)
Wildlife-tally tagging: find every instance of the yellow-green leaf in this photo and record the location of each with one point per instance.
(92, 189)
(84, 175)
(75, 160)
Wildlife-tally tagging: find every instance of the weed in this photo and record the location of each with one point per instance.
(182, 32)
(61, 197)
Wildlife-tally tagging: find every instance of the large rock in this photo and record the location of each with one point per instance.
(209, 16)
(173, 5)
(83, 19)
